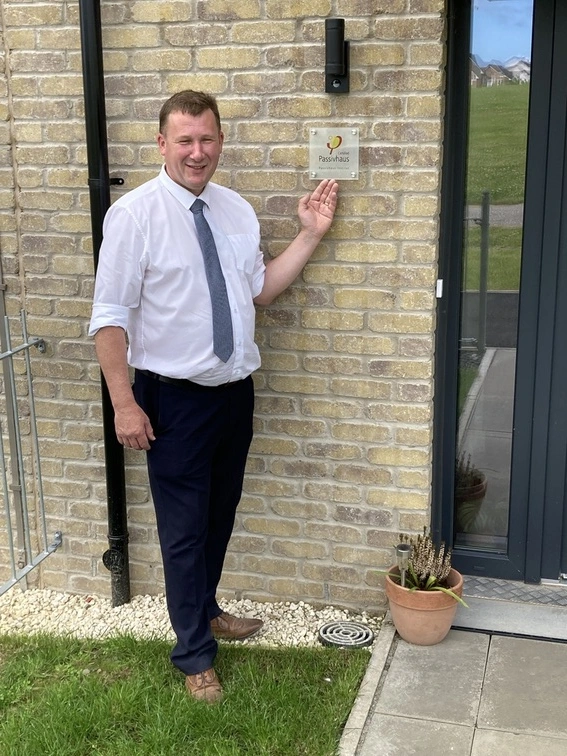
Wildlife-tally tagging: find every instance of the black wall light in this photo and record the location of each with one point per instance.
(336, 56)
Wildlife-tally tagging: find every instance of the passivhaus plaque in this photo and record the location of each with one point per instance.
(333, 153)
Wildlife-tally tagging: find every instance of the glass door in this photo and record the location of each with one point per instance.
(499, 93)
(500, 439)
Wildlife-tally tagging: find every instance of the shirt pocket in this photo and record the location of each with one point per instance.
(245, 250)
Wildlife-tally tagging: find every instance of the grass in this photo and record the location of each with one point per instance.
(504, 257)
(497, 143)
(122, 697)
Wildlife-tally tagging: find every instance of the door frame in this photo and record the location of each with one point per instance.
(523, 560)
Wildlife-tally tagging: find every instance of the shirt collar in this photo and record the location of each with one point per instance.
(184, 196)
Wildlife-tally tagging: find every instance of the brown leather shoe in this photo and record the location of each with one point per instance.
(204, 686)
(228, 627)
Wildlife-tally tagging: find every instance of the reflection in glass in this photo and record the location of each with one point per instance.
(496, 157)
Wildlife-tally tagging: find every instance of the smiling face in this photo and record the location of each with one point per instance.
(191, 147)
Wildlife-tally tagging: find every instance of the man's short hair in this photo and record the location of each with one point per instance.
(188, 102)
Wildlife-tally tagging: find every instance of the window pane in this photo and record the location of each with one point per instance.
(496, 158)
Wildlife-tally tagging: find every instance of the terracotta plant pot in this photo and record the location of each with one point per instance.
(423, 617)
(468, 502)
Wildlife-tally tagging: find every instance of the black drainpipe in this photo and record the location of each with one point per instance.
(116, 558)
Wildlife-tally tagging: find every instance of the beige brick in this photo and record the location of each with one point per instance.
(228, 58)
(401, 323)
(296, 8)
(376, 345)
(413, 522)
(417, 300)
(400, 368)
(299, 549)
(421, 206)
(273, 446)
(241, 582)
(263, 32)
(408, 28)
(247, 544)
(362, 475)
(151, 12)
(293, 427)
(294, 157)
(300, 510)
(332, 320)
(269, 527)
(135, 37)
(299, 107)
(226, 10)
(403, 230)
(372, 54)
(330, 409)
(298, 384)
(371, 599)
(365, 252)
(413, 479)
(426, 6)
(298, 468)
(295, 588)
(251, 505)
(333, 274)
(272, 488)
(332, 451)
(265, 566)
(424, 106)
(36, 15)
(382, 455)
(411, 181)
(330, 573)
(333, 365)
(160, 60)
(359, 432)
(360, 388)
(365, 299)
(424, 80)
(365, 557)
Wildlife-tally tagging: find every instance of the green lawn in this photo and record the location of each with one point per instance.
(497, 143)
(122, 697)
(505, 248)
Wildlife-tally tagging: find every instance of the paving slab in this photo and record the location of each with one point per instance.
(515, 744)
(400, 736)
(439, 683)
(525, 688)
(514, 618)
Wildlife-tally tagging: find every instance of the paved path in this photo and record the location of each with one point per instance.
(473, 694)
(500, 215)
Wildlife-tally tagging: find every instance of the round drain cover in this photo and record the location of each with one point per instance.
(346, 634)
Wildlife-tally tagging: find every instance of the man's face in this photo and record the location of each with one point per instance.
(191, 147)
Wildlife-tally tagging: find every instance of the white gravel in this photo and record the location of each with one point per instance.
(44, 611)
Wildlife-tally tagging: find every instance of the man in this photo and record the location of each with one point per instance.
(190, 328)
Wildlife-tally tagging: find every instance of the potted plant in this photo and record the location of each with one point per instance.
(470, 490)
(423, 590)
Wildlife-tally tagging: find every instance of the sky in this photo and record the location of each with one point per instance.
(502, 29)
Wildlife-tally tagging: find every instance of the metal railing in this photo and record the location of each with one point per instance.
(20, 469)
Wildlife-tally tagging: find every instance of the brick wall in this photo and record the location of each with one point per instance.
(342, 454)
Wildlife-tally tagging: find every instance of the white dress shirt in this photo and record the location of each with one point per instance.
(151, 280)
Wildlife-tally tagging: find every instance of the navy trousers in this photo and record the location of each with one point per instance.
(196, 468)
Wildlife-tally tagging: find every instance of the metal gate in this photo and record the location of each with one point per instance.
(23, 530)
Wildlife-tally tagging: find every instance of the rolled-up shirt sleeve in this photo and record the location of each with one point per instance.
(120, 271)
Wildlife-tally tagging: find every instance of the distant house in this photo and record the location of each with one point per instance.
(496, 75)
(520, 68)
(477, 75)
(516, 70)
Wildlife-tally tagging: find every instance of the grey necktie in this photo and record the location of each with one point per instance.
(223, 344)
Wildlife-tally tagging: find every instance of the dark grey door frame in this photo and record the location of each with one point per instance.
(540, 420)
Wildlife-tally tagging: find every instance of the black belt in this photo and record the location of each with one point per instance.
(183, 383)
